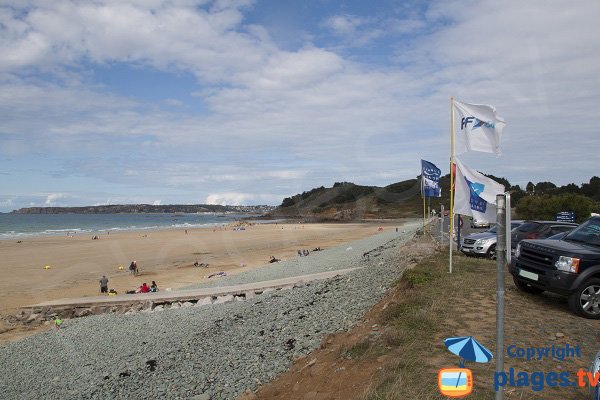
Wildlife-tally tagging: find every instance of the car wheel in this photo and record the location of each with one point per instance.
(526, 287)
(585, 301)
(492, 252)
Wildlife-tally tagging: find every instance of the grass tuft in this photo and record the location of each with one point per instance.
(417, 277)
(416, 325)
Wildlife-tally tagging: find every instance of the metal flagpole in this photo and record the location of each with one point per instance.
(500, 266)
(423, 196)
(423, 214)
(428, 207)
(451, 178)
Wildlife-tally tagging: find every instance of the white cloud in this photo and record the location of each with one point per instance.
(344, 24)
(6, 202)
(229, 198)
(275, 122)
(156, 203)
(53, 197)
(183, 35)
(356, 31)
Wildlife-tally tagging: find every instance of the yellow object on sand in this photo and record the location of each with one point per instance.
(121, 268)
(47, 267)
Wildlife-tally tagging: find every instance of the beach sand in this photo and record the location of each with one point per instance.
(165, 256)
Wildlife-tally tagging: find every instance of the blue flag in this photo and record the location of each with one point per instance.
(430, 180)
(476, 202)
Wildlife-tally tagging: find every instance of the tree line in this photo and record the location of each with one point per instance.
(542, 200)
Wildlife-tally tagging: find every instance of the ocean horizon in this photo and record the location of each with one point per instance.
(14, 226)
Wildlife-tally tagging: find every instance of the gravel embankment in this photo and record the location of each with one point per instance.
(208, 352)
(319, 261)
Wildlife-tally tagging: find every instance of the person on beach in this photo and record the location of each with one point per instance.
(273, 260)
(154, 287)
(133, 268)
(57, 323)
(104, 284)
(144, 288)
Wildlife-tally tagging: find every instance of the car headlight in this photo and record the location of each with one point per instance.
(518, 251)
(567, 264)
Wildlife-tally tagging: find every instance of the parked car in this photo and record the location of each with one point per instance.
(483, 243)
(569, 266)
(477, 223)
(539, 230)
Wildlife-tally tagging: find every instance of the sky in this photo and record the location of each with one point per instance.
(246, 102)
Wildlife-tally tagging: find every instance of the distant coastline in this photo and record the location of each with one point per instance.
(146, 209)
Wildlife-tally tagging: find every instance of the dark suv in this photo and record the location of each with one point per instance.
(538, 230)
(570, 266)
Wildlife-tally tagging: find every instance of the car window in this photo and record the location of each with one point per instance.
(560, 229)
(492, 229)
(528, 227)
(588, 232)
(558, 236)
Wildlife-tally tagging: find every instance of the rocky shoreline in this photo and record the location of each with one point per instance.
(215, 351)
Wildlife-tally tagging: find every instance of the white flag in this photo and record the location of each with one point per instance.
(475, 194)
(477, 128)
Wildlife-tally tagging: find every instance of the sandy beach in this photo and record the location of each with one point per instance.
(217, 349)
(165, 256)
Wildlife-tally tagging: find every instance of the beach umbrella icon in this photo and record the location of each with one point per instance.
(468, 349)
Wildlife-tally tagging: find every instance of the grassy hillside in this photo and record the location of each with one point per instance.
(347, 201)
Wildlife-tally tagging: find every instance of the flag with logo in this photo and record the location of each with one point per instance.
(477, 127)
(475, 194)
(430, 180)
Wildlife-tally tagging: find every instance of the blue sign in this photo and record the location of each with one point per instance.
(565, 216)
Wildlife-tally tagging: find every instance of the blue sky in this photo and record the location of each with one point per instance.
(247, 102)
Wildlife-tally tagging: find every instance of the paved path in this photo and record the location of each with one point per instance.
(188, 294)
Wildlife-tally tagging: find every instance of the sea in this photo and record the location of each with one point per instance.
(28, 225)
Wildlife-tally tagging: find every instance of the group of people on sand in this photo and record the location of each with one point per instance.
(147, 289)
(304, 253)
(134, 270)
(144, 288)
